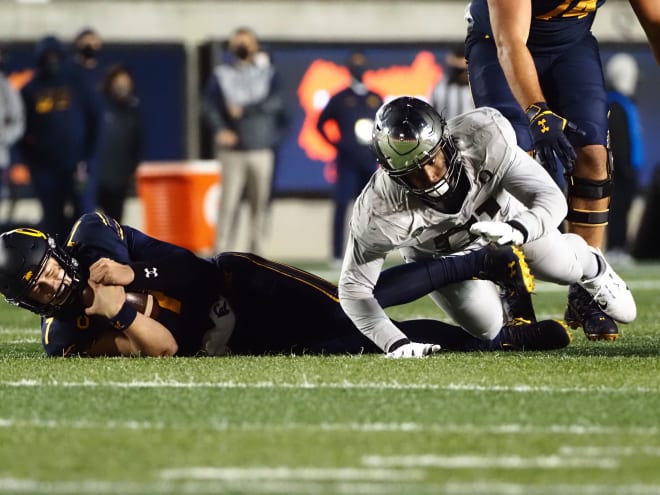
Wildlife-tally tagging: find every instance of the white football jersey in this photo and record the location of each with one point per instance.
(505, 184)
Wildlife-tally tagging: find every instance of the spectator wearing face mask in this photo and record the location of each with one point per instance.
(87, 47)
(352, 111)
(121, 146)
(243, 108)
(62, 121)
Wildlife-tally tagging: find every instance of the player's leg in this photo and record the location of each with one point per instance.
(596, 295)
(574, 86)
(490, 88)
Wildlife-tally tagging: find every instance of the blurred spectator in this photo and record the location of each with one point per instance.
(61, 133)
(120, 148)
(352, 110)
(244, 108)
(12, 125)
(87, 46)
(627, 148)
(451, 95)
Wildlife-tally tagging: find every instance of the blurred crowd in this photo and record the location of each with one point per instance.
(76, 126)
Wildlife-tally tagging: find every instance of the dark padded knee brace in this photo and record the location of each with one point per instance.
(590, 189)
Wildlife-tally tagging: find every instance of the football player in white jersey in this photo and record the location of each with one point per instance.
(448, 187)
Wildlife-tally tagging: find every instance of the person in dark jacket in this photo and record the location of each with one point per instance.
(62, 125)
(120, 150)
(352, 109)
(86, 60)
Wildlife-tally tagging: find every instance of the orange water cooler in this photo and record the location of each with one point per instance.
(180, 202)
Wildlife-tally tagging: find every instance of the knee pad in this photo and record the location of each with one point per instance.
(589, 189)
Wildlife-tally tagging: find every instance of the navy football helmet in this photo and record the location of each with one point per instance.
(408, 133)
(23, 255)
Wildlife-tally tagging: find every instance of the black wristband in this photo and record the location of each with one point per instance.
(519, 226)
(536, 108)
(397, 344)
(125, 317)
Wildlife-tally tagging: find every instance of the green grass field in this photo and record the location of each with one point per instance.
(584, 420)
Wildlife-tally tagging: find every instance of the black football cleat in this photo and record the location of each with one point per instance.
(524, 335)
(506, 266)
(583, 311)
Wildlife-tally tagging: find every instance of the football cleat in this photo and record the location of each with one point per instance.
(610, 292)
(506, 266)
(525, 335)
(582, 311)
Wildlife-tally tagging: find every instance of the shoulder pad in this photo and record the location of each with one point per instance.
(485, 137)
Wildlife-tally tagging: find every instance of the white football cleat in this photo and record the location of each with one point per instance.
(610, 292)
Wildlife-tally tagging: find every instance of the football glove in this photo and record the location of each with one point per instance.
(500, 233)
(413, 350)
(549, 132)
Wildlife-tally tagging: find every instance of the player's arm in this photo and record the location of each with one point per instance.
(527, 181)
(134, 334)
(648, 13)
(510, 21)
(358, 278)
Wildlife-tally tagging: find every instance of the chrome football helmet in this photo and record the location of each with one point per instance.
(408, 133)
(23, 255)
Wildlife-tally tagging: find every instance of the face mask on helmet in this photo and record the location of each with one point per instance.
(23, 256)
(408, 134)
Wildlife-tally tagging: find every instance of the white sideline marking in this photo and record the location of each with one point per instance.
(288, 473)
(20, 331)
(489, 462)
(506, 429)
(461, 387)
(610, 450)
(85, 487)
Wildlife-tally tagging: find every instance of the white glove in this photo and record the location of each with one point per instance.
(498, 232)
(413, 350)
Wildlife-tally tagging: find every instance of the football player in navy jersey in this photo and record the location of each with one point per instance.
(235, 303)
(538, 63)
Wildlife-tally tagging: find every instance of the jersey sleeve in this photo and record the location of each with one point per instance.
(67, 337)
(163, 266)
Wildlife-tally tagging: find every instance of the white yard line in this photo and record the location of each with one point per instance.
(461, 387)
(489, 462)
(289, 473)
(219, 425)
(292, 487)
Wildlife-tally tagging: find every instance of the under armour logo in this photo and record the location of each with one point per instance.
(541, 124)
(151, 272)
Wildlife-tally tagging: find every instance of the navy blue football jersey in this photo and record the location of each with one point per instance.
(556, 24)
